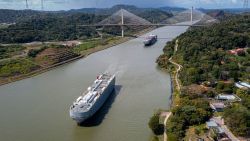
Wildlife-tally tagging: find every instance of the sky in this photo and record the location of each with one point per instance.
(54, 5)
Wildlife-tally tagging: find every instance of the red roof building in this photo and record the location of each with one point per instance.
(236, 51)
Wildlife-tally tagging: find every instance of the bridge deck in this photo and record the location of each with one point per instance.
(96, 25)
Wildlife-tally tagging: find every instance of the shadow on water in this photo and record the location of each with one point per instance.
(98, 117)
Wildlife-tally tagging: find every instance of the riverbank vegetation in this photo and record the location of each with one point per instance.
(20, 60)
(16, 67)
(213, 58)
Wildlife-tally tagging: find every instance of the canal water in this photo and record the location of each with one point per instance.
(37, 108)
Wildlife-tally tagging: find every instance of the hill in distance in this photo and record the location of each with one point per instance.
(13, 16)
(63, 25)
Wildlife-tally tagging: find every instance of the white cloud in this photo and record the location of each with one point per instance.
(74, 4)
(234, 1)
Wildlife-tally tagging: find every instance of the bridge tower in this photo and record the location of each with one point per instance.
(192, 9)
(122, 24)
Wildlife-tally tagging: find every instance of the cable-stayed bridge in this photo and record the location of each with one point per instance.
(123, 18)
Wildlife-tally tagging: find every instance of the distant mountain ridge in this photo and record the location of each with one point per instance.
(64, 25)
(130, 8)
(13, 16)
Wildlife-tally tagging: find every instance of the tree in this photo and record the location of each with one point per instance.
(237, 118)
(155, 126)
(245, 97)
(34, 52)
(248, 50)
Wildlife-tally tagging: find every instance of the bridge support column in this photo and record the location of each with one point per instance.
(122, 23)
(122, 31)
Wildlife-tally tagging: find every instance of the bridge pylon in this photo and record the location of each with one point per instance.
(122, 26)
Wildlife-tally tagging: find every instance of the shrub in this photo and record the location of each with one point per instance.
(33, 52)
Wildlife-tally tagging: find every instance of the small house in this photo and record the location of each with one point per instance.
(211, 124)
(225, 97)
(242, 85)
(236, 51)
(218, 106)
(228, 97)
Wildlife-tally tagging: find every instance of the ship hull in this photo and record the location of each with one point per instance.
(80, 117)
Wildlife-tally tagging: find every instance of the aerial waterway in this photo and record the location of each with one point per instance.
(37, 108)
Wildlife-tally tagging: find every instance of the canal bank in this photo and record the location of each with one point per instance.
(37, 108)
(82, 55)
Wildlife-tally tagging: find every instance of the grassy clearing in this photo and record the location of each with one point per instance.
(16, 67)
(2, 26)
(85, 45)
(88, 44)
(194, 132)
(10, 50)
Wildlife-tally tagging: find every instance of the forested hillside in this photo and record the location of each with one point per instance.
(204, 51)
(213, 58)
(13, 16)
(50, 27)
(64, 25)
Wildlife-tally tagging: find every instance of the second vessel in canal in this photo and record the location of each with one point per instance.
(150, 40)
(92, 100)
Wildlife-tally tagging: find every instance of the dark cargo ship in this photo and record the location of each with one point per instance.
(150, 40)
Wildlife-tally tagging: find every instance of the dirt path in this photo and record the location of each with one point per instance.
(176, 78)
(179, 67)
(168, 114)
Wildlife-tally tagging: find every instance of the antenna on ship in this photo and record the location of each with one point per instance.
(27, 6)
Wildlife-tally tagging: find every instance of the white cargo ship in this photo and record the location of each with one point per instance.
(93, 99)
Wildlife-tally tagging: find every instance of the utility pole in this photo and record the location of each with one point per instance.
(245, 5)
(122, 23)
(192, 15)
(42, 8)
(27, 6)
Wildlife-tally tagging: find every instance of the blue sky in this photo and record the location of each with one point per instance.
(76, 4)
